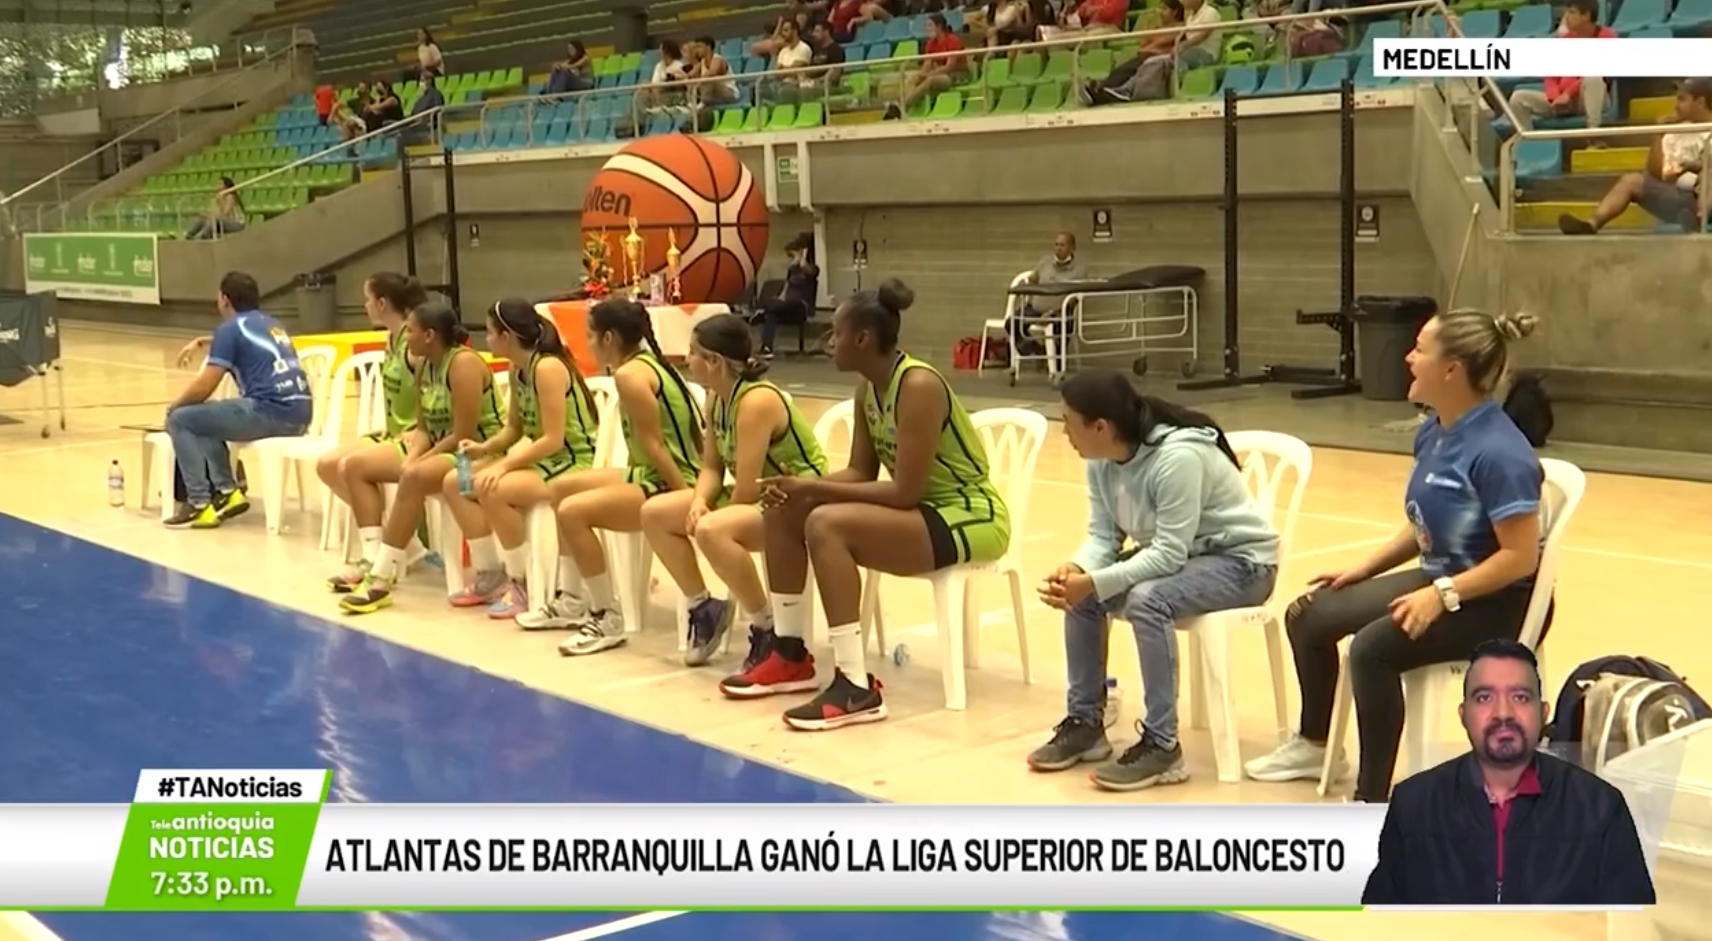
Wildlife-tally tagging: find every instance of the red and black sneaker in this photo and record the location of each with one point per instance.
(774, 674)
(842, 703)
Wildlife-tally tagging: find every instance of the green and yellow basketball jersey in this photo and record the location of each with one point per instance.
(959, 473)
(680, 420)
(398, 386)
(793, 452)
(582, 425)
(434, 400)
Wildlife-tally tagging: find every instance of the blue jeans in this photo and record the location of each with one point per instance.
(199, 435)
(1205, 584)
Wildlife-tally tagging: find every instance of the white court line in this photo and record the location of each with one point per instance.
(25, 927)
(134, 436)
(613, 927)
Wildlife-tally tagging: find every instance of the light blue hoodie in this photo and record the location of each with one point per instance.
(1178, 497)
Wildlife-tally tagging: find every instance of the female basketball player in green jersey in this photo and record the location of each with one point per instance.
(938, 508)
(754, 432)
(662, 434)
(554, 409)
(356, 471)
(456, 402)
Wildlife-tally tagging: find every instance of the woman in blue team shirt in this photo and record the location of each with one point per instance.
(1472, 512)
(1163, 479)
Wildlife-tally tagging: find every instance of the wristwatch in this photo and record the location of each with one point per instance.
(1447, 592)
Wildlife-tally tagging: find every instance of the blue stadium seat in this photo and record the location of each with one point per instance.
(899, 30)
(1530, 22)
(1384, 29)
(1536, 159)
(1284, 77)
(1328, 75)
(1364, 77)
(1483, 24)
(1652, 32)
(1242, 79)
(1639, 14)
(870, 33)
(1690, 16)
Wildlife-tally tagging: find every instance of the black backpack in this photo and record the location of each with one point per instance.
(1530, 408)
(1637, 699)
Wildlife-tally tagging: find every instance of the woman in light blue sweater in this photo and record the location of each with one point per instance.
(1173, 533)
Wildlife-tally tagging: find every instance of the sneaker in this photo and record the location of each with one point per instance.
(560, 614)
(370, 596)
(512, 601)
(1295, 760)
(762, 640)
(893, 113)
(231, 504)
(1085, 93)
(1142, 765)
(775, 674)
(193, 517)
(347, 581)
(483, 590)
(1074, 741)
(708, 623)
(603, 630)
(1573, 225)
(842, 703)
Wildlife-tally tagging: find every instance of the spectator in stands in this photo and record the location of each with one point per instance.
(791, 52)
(349, 125)
(1125, 82)
(430, 98)
(325, 98)
(944, 66)
(706, 63)
(768, 46)
(1472, 508)
(1567, 96)
(1008, 22)
(825, 71)
(1173, 533)
(1668, 188)
(428, 58)
(255, 351)
(383, 108)
(668, 71)
(1062, 266)
(573, 73)
(227, 216)
(848, 16)
(1095, 18)
(795, 303)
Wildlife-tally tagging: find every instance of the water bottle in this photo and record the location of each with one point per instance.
(115, 485)
(1114, 703)
(900, 655)
(466, 483)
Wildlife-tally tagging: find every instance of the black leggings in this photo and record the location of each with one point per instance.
(1379, 655)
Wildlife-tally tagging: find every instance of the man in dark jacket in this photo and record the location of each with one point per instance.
(1506, 824)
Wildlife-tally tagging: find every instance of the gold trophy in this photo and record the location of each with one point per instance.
(633, 257)
(674, 262)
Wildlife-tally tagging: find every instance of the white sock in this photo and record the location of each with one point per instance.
(484, 553)
(847, 653)
(369, 536)
(517, 562)
(792, 616)
(570, 580)
(761, 618)
(600, 592)
(389, 562)
(697, 598)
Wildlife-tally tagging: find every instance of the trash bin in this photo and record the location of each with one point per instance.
(1385, 328)
(316, 307)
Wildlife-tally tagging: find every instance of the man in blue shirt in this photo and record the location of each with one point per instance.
(275, 403)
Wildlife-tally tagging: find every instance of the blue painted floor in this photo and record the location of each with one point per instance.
(109, 664)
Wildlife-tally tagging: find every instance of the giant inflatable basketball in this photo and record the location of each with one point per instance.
(691, 189)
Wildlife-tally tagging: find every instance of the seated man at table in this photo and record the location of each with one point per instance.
(1039, 316)
(275, 403)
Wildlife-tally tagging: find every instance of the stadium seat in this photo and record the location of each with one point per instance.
(1484, 24)
(1364, 77)
(1537, 159)
(1530, 22)
(1327, 75)
(1636, 15)
(1283, 77)
(1690, 17)
(1198, 83)
(1385, 29)
(1242, 79)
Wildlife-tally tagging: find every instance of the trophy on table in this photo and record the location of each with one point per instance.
(674, 268)
(633, 258)
(597, 267)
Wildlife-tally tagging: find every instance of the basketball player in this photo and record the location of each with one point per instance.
(662, 433)
(456, 402)
(756, 432)
(554, 409)
(356, 471)
(937, 509)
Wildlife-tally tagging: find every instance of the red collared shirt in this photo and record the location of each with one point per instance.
(1527, 785)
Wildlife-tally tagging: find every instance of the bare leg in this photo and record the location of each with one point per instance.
(616, 508)
(663, 521)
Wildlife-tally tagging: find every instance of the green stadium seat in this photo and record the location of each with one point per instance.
(1048, 97)
(946, 106)
(1012, 100)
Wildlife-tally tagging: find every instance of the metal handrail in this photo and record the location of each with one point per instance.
(115, 142)
(415, 120)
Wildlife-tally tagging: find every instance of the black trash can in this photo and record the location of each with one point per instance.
(316, 305)
(1385, 329)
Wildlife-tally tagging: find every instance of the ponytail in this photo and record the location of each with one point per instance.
(1107, 395)
(540, 335)
(677, 377)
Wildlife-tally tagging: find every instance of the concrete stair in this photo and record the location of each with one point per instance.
(1589, 173)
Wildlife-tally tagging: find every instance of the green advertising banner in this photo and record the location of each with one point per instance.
(87, 266)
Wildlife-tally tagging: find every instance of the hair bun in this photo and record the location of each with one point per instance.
(1515, 326)
(895, 296)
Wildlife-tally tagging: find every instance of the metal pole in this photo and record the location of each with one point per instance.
(1233, 288)
(1346, 144)
(452, 234)
(409, 213)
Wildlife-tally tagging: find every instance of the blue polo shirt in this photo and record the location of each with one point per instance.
(1478, 472)
(255, 349)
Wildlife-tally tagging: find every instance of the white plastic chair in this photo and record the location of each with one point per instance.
(630, 555)
(1000, 325)
(158, 458)
(1428, 691)
(1267, 459)
(363, 371)
(1013, 438)
(543, 526)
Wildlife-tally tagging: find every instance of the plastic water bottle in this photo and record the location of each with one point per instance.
(466, 482)
(900, 655)
(1114, 703)
(115, 485)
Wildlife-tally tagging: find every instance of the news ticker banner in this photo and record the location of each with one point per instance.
(1540, 58)
(268, 841)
